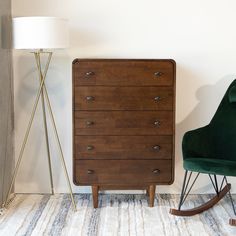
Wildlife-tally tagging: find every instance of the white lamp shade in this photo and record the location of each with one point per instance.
(39, 32)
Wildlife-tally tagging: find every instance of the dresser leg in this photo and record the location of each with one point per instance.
(95, 196)
(151, 191)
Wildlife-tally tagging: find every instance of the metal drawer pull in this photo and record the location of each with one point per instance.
(158, 73)
(156, 171)
(156, 148)
(89, 73)
(90, 98)
(157, 123)
(88, 123)
(90, 172)
(157, 98)
(90, 147)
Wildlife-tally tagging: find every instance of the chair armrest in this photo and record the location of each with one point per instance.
(197, 143)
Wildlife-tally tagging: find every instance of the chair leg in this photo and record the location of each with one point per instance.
(232, 221)
(183, 189)
(190, 212)
(151, 192)
(95, 189)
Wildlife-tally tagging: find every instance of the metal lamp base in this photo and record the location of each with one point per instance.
(42, 92)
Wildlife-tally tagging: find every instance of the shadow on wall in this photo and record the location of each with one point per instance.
(209, 98)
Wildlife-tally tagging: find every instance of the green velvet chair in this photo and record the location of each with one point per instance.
(211, 150)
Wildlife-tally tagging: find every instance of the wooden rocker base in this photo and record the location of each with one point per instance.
(205, 206)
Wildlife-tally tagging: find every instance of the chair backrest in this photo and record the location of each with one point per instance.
(222, 128)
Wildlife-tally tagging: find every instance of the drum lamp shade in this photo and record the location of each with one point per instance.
(40, 32)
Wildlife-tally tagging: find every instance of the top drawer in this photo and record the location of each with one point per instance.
(123, 72)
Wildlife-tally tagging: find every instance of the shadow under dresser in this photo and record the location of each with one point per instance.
(123, 124)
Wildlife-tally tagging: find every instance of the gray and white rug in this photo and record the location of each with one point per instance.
(118, 214)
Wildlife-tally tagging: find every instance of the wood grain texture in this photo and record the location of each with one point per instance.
(123, 98)
(123, 147)
(123, 122)
(122, 109)
(151, 193)
(123, 72)
(95, 189)
(122, 172)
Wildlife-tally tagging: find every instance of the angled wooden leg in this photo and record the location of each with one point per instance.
(95, 195)
(151, 191)
(147, 191)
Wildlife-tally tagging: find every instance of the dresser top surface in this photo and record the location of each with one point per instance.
(78, 60)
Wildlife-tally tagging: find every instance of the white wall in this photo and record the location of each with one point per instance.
(199, 35)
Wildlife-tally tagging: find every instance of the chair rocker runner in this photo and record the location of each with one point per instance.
(211, 150)
(220, 193)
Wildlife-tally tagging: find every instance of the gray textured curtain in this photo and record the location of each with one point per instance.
(6, 99)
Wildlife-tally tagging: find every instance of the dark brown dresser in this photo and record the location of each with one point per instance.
(123, 124)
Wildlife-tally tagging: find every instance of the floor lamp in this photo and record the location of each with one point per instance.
(39, 34)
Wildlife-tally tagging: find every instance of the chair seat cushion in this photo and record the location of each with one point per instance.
(210, 166)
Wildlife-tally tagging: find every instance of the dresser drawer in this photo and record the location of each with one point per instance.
(123, 147)
(124, 72)
(137, 172)
(123, 98)
(123, 122)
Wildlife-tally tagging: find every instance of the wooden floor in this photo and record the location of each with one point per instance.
(121, 214)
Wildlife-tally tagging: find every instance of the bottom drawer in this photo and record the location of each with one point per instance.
(122, 172)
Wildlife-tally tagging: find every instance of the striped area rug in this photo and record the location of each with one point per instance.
(118, 214)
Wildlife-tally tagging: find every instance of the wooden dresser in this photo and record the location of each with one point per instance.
(123, 124)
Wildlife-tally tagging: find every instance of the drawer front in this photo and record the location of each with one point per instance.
(130, 172)
(124, 72)
(123, 123)
(123, 147)
(123, 98)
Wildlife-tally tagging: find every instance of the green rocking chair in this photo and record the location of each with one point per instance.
(211, 150)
